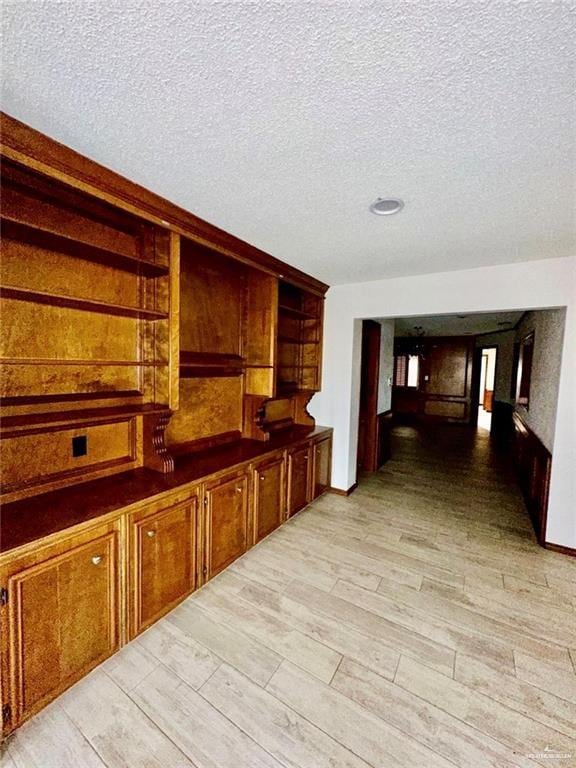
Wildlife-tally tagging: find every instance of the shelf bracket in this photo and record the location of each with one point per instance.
(156, 454)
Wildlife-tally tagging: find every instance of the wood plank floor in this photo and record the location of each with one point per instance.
(413, 624)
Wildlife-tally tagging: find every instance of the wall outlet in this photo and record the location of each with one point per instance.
(79, 446)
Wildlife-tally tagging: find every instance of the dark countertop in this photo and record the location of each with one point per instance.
(28, 520)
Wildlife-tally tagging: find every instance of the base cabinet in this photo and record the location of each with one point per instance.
(269, 496)
(225, 523)
(163, 562)
(321, 467)
(299, 494)
(61, 618)
(68, 605)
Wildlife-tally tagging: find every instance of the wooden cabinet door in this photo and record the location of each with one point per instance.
(225, 522)
(322, 465)
(62, 620)
(298, 479)
(163, 566)
(269, 497)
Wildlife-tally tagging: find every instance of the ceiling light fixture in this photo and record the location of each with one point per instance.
(386, 206)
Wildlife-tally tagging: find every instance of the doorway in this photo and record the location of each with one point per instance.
(488, 361)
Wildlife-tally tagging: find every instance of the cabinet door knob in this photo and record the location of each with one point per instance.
(262, 477)
(239, 489)
(97, 559)
(150, 534)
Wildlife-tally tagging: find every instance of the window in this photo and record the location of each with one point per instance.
(406, 371)
(524, 373)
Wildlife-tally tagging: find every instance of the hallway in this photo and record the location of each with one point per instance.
(415, 623)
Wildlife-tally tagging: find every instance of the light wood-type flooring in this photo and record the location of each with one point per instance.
(415, 624)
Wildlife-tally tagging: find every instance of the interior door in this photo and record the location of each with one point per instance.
(164, 566)
(269, 496)
(225, 522)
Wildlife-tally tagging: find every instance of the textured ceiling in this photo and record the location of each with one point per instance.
(282, 121)
(456, 325)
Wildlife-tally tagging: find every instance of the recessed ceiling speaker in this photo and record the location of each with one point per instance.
(386, 206)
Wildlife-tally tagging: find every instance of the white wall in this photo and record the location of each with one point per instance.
(536, 284)
(386, 366)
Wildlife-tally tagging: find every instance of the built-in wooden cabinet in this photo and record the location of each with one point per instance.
(60, 618)
(149, 359)
(321, 467)
(225, 522)
(163, 560)
(269, 496)
(299, 475)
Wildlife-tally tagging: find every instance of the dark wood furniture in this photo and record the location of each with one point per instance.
(155, 378)
(444, 390)
(533, 465)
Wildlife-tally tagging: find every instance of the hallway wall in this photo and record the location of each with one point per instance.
(548, 327)
(537, 284)
(386, 365)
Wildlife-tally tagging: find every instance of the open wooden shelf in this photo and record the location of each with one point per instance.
(210, 364)
(294, 340)
(298, 313)
(81, 416)
(74, 302)
(46, 238)
(80, 361)
(71, 397)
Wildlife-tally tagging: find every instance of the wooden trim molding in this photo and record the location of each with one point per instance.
(342, 492)
(29, 147)
(533, 464)
(559, 548)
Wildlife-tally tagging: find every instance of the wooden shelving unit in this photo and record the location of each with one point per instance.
(141, 340)
(299, 340)
(87, 349)
(114, 318)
